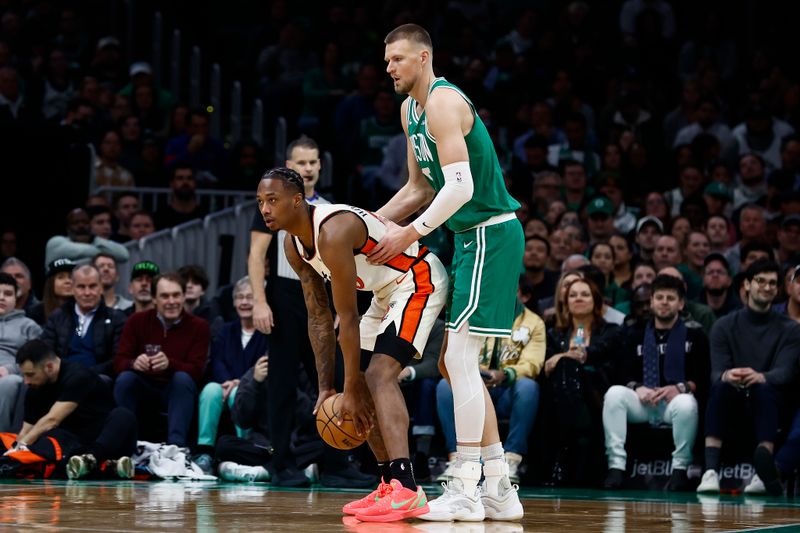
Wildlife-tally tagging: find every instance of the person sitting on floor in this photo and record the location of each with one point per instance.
(71, 404)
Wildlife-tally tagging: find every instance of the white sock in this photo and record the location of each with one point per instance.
(466, 454)
(492, 451)
(461, 360)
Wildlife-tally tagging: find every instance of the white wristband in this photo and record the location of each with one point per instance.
(457, 190)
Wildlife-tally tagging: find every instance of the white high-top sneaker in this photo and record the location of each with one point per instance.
(499, 496)
(756, 486)
(709, 482)
(230, 471)
(461, 499)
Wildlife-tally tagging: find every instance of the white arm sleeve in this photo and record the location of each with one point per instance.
(457, 191)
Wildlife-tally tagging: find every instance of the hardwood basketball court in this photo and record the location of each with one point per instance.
(221, 507)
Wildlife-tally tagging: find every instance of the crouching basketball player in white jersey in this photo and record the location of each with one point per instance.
(331, 242)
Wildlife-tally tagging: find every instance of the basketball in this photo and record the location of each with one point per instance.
(340, 437)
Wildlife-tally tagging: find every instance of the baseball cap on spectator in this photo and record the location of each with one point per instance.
(145, 268)
(716, 256)
(108, 41)
(649, 219)
(718, 190)
(601, 204)
(790, 219)
(140, 67)
(60, 265)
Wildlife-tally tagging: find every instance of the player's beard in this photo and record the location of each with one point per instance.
(665, 319)
(403, 87)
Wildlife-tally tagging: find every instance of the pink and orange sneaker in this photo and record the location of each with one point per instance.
(371, 499)
(398, 504)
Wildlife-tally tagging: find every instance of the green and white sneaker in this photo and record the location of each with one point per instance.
(122, 467)
(80, 466)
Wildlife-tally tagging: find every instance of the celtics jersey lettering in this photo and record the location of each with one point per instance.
(490, 197)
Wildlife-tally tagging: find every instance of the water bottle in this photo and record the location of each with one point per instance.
(580, 337)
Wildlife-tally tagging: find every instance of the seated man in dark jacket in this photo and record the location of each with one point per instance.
(753, 364)
(85, 330)
(664, 366)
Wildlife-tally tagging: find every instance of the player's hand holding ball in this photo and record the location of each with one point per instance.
(355, 403)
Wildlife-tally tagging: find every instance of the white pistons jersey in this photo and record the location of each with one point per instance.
(369, 277)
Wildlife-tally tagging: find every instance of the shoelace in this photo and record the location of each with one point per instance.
(450, 491)
(384, 489)
(447, 491)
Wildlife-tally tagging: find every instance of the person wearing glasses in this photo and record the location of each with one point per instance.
(753, 357)
(718, 293)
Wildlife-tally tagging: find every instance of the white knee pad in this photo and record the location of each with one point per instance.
(462, 361)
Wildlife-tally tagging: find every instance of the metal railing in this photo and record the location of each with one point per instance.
(151, 198)
(220, 243)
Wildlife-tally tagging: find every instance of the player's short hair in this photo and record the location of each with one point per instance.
(665, 282)
(291, 179)
(760, 267)
(411, 32)
(36, 352)
(8, 279)
(540, 239)
(303, 141)
(13, 261)
(174, 277)
(195, 274)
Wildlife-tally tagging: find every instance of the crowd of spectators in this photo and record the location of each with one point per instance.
(651, 145)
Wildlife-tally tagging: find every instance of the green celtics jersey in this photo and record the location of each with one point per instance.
(490, 197)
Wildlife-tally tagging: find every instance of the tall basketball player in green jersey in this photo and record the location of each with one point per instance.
(451, 159)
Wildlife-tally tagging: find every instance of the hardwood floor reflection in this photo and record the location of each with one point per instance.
(220, 507)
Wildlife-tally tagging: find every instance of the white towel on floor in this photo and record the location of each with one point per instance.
(168, 461)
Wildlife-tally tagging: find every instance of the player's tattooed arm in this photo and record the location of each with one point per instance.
(320, 320)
